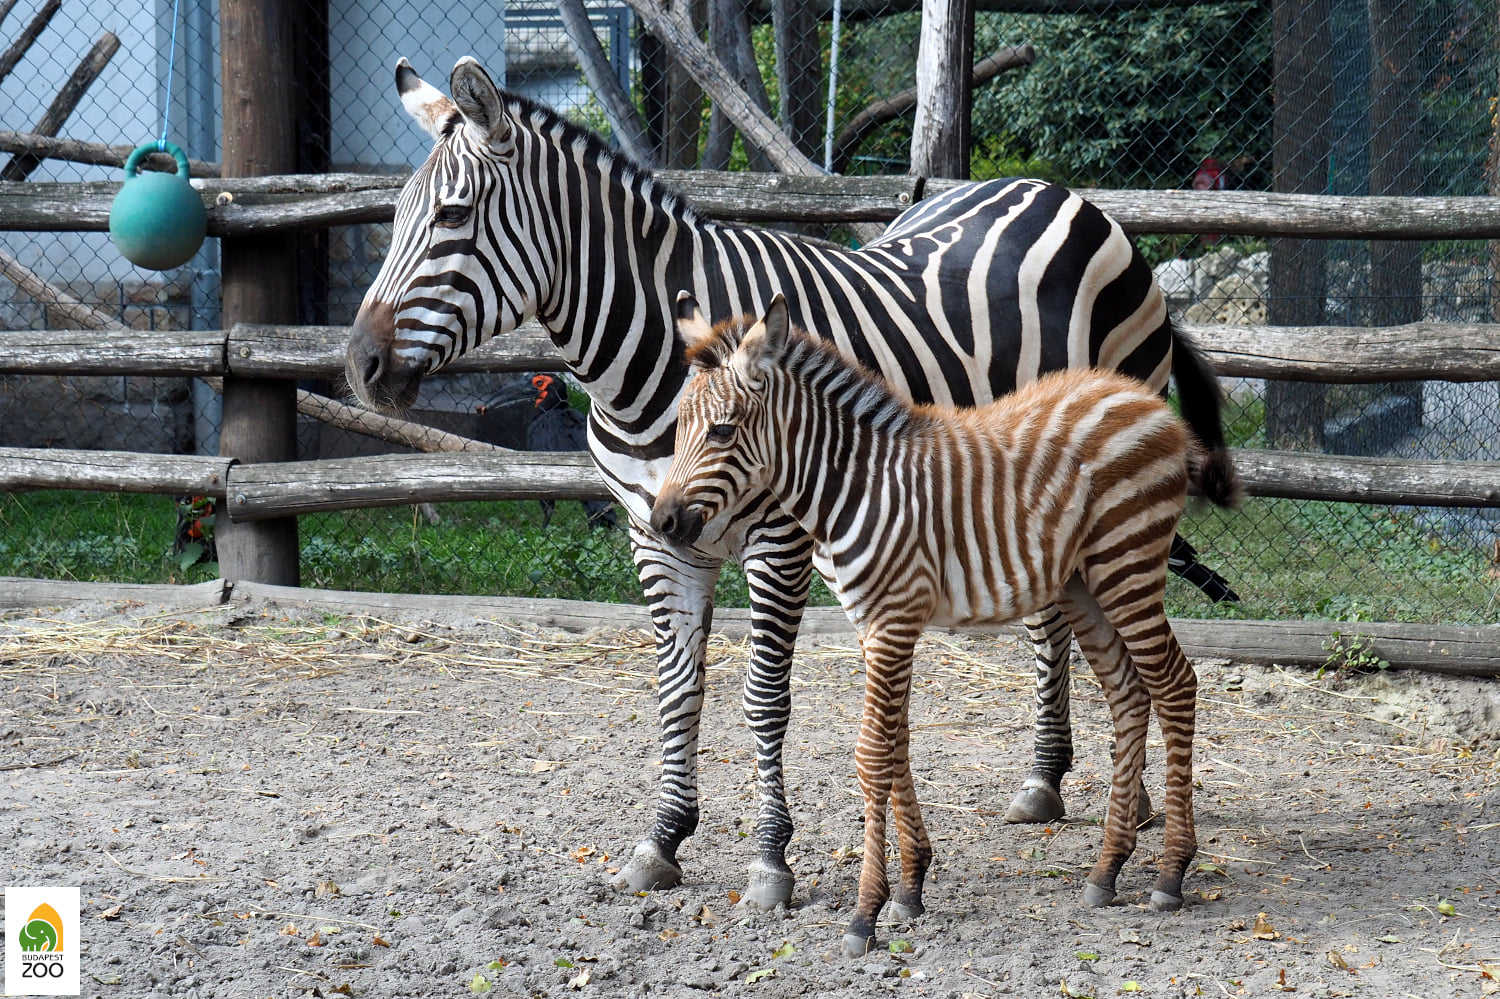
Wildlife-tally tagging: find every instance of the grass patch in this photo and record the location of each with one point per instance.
(1287, 558)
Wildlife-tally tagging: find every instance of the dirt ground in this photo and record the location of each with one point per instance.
(279, 803)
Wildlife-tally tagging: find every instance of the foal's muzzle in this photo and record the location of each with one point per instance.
(675, 520)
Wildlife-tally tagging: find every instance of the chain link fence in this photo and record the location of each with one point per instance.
(1318, 96)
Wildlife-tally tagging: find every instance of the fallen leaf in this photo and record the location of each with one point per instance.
(1446, 908)
(1490, 970)
(326, 887)
(785, 950)
(1128, 935)
(1085, 955)
(315, 940)
(378, 942)
(1263, 930)
(479, 984)
(705, 917)
(290, 930)
(583, 853)
(579, 980)
(1389, 938)
(900, 947)
(1130, 987)
(758, 974)
(667, 934)
(1281, 985)
(1337, 960)
(113, 912)
(344, 990)
(563, 962)
(734, 897)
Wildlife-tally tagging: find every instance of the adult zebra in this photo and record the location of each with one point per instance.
(518, 213)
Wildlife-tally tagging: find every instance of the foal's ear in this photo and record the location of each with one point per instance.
(431, 108)
(479, 101)
(767, 338)
(691, 326)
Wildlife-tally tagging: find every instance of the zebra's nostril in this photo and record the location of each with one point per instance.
(372, 369)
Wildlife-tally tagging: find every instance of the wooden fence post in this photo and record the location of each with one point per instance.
(259, 274)
(940, 133)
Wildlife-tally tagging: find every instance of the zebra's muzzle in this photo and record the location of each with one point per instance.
(379, 377)
(675, 520)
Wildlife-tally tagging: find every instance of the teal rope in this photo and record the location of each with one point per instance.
(166, 112)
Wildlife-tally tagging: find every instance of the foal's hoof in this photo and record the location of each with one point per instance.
(907, 910)
(1095, 897)
(856, 945)
(1163, 902)
(1037, 801)
(648, 870)
(769, 886)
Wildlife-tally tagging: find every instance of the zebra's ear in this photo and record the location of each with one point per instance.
(429, 106)
(691, 326)
(758, 351)
(777, 324)
(479, 101)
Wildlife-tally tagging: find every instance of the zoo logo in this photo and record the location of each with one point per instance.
(43, 930)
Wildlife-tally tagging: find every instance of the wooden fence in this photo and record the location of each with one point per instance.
(263, 491)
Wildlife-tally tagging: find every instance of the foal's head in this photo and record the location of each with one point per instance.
(727, 440)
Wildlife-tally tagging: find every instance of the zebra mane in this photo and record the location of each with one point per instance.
(545, 121)
(816, 362)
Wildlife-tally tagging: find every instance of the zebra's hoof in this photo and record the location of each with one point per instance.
(1095, 897)
(648, 870)
(1037, 801)
(769, 886)
(1163, 902)
(907, 910)
(858, 945)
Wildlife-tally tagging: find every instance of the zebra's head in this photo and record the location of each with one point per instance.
(463, 264)
(726, 440)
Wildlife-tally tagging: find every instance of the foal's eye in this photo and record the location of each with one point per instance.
(721, 432)
(452, 215)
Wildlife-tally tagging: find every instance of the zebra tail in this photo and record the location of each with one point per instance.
(1198, 395)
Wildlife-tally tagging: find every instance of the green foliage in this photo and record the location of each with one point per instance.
(1136, 98)
(1351, 654)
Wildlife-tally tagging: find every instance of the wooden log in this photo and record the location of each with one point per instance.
(33, 30)
(624, 121)
(259, 272)
(114, 351)
(83, 77)
(112, 471)
(1353, 354)
(418, 436)
(1350, 479)
(318, 352)
(97, 153)
(283, 489)
(84, 207)
(940, 128)
(17, 594)
(61, 306)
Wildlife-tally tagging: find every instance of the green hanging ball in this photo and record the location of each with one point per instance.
(157, 220)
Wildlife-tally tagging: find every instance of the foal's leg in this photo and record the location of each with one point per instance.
(888, 655)
(1130, 705)
(911, 831)
(1137, 611)
(1039, 799)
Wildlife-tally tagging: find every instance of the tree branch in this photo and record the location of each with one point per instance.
(79, 151)
(861, 125)
(623, 119)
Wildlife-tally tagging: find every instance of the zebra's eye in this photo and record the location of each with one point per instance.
(452, 215)
(721, 432)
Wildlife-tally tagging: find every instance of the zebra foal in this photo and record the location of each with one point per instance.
(1069, 491)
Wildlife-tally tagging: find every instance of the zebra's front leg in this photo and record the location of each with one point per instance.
(1040, 797)
(778, 581)
(911, 831)
(679, 588)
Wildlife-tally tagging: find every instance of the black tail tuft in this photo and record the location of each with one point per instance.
(1183, 560)
(1198, 395)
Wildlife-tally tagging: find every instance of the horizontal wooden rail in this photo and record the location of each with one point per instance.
(245, 206)
(1343, 354)
(257, 492)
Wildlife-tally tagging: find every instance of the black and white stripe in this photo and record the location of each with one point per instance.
(518, 213)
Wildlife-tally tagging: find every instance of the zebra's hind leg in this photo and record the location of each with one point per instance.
(911, 831)
(778, 580)
(1130, 706)
(679, 590)
(1039, 799)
